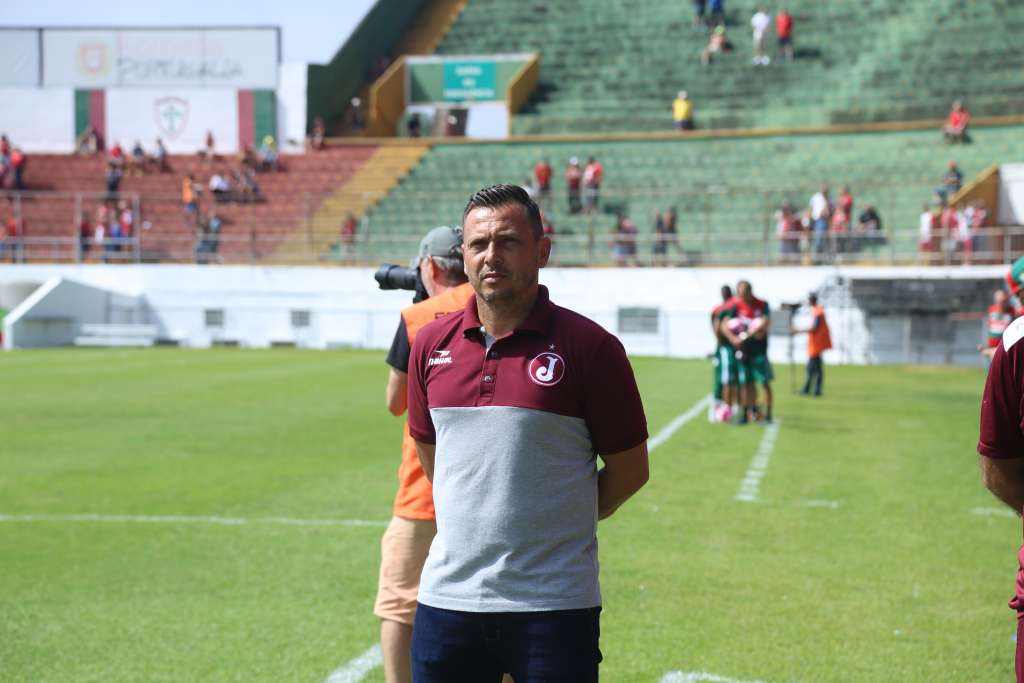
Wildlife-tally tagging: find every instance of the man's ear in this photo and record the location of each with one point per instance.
(545, 250)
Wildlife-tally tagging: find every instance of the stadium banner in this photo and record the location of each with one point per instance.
(39, 119)
(461, 79)
(180, 118)
(19, 57)
(146, 58)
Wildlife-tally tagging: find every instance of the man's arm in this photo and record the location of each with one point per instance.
(397, 391)
(425, 451)
(1004, 477)
(623, 474)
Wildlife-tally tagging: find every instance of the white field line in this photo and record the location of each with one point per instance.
(830, 504)
(750, 487)
(675, 425)
(994, 512)
(185, 519)
(699, 677)
(356, 670)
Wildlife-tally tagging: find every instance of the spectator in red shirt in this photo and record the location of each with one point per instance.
(542, 173)
(18, 164)
(593, 174)
(573, 178)
(784, 31)
(348, 234)
(117, 155)
(955, 129)
(10, 238)
(5, 146)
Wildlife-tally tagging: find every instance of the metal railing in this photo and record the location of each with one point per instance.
(163, 232)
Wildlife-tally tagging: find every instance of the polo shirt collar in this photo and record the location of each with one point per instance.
(538, 320)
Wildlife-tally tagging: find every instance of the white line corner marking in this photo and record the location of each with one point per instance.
(675, 425)
(750, 487)
(356, 670)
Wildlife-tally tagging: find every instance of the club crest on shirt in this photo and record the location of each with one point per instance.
(440, 357)
(546, 369)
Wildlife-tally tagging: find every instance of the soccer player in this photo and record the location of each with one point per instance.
(412, 527)
(511, 402)
(997, 319)
(1001, 446)
(818, 341)
(723, 385)
(751, 346)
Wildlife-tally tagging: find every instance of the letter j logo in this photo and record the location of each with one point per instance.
(546, 369)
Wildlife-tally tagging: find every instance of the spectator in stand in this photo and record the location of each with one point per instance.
(248, 159)
(5, 146)
(208, 153)
(190, 199)
(413, 125)
(84, 236)
(664, 235)
(316, 138)
(964, 235)
(759, 24)
(787, 229)
(839, 228)
(925, 236)
(716, 17)
(348, 234)
(624, 242)
(160, 157)
(99, 237)
(116, 156)
(846, 203)
(213, 227)
(593, 175)
(955, 129)
(357, 120)
(89, 142)
(699, 8)
(952, 181)
(267, 154)
(784, 32)
(869, 227)
(9, 237)
(542, 175)
(114, 235)
(573, 179)
(977, 214)
(18, 168)
(682, 111)
(220, 187)
(113, 179)
(949, 229)
(137, 160)
(821, 211)
(717, 43)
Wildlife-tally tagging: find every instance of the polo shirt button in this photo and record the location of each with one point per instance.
(493, 354)
(488, 378)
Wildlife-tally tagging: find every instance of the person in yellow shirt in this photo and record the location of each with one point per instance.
(682, 111)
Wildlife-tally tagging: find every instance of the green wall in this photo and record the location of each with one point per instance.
(264, 115)
(330, 87)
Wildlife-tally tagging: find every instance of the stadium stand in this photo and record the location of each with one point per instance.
(251, 231)
(610, 66)
(725, 188)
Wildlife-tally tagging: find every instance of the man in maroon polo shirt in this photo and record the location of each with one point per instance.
(510, 403)
(1001, 446)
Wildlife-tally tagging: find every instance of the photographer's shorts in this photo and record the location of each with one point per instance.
(403, 550)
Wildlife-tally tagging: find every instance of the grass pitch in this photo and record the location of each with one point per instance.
(900, 582)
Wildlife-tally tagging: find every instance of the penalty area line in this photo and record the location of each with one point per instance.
(356, 670)
(994, 512)
(699, 677)
(675, 425)
(750, 487)
(188, 519)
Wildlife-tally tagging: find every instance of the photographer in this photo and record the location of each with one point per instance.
(404, 546)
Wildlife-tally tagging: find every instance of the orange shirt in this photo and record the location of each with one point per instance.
(186, 191)
(415, 497)
(819, 340)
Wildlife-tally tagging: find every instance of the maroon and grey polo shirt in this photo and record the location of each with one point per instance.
(517, 429)
(1002, 417)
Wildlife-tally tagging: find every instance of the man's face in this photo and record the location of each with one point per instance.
(501, 254)
(744, 292)
(1000, 298)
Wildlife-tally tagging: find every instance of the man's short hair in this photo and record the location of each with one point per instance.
(502, 195)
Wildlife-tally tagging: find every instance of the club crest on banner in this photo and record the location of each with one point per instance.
(171, 116)
(93, 59)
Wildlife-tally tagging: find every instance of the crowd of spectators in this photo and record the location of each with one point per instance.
(827, 229)
(951, 230)
(711, 18)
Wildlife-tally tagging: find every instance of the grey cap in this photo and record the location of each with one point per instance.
(443, 240)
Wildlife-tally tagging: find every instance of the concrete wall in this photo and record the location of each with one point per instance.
(346, 308)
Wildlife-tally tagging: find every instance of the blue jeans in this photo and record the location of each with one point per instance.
(535, 647)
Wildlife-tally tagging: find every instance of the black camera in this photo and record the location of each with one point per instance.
(390, 276)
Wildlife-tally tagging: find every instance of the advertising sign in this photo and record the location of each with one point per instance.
(467, 81)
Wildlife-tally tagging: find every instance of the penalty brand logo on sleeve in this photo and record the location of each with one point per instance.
(440, 357)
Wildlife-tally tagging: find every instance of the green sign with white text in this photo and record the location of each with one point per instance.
(469, 81)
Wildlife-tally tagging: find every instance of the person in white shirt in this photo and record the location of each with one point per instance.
(760, 23)
(924, 239)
